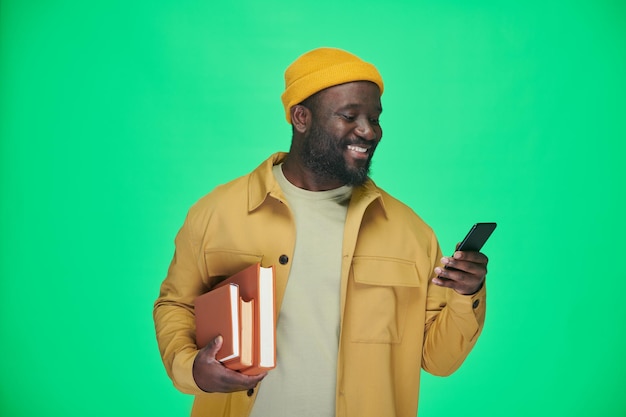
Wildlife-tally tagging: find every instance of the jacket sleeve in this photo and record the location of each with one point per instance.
(174, 312)
(453, 324)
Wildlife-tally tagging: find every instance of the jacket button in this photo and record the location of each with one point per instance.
(283, 259)
(250, 392)
(476, 303)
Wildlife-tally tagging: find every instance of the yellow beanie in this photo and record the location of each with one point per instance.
(322, 68)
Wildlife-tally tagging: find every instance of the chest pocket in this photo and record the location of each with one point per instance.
(380, 291)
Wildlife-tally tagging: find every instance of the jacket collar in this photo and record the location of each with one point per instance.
(262, 184)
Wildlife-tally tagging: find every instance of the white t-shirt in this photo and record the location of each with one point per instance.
(303, 382)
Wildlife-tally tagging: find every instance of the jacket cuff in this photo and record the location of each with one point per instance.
(182, 372)
(469, 304)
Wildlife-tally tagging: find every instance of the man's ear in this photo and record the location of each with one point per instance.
(300, 118)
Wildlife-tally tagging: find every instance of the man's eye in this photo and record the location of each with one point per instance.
(348, 117)
(375, 122)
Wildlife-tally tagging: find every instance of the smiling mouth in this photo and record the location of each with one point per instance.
(358, 153)
(356, 148)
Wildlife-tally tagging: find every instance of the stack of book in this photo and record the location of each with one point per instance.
(242, 310)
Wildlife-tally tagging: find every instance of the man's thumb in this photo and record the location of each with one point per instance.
(216, 345)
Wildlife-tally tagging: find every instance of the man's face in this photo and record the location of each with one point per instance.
(344, 133)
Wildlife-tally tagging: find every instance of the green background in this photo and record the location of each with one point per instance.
(117, 115)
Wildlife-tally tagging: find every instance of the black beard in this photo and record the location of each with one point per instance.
(323, 154)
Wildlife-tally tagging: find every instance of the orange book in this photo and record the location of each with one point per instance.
(221, 311)
(257, 283)
(246, 309)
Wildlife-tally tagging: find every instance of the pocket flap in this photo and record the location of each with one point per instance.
(224, 263)
(394, 272)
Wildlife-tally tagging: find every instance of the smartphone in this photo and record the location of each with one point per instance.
(477, 236)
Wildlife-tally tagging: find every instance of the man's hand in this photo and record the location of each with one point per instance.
(211, 376)
(465, 272)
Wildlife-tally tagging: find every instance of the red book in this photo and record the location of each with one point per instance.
(257, 283)
(223, 312)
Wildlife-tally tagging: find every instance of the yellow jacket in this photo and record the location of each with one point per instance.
(393, 320)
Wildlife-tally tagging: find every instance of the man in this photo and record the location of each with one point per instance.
(363, 300)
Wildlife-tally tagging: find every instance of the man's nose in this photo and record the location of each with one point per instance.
(365, 130)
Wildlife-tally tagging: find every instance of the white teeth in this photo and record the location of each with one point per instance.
(357, 148)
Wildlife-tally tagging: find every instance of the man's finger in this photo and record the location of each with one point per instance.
(476, 257)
